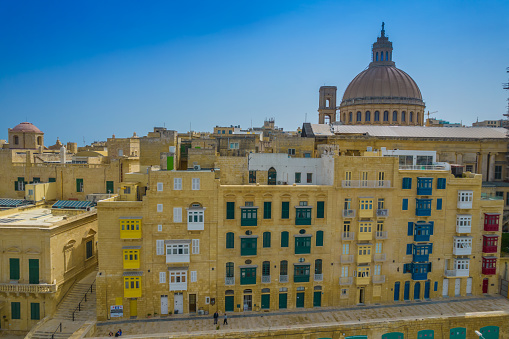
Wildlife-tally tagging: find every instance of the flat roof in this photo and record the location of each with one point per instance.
(37, 217)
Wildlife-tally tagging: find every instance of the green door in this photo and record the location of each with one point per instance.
(490, 332)
(300, 300)
(229, 303)
(265, 301)
(283, 301)
(458, 333)
(109, 186)
(33, 271)
(317, 299)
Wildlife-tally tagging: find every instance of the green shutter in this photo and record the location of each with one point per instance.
(89, 249)
(15, 310)
(284, 239)
(317, 299)
(266, 239)
(79, 185)
(33, 271)
(230, 210)
(319, 238)
(230, 240)
(169, 163)
(109, 187)
(320, 209)
(265, 301)
(14, 268)
(229, 303)
(283, 297)
(267, 210)
(35, 311)
(285, 210)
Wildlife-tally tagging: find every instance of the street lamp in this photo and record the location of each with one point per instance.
(479, 334)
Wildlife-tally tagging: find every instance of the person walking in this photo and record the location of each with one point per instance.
(216, 316)
(225, 322)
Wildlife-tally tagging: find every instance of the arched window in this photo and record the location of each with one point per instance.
(344, 117)
(368, 116)
(272, 176)
(376, 56)
(386, 116)
(359, 116)
(418, 116)
(403, 116)
(319, 238)
(266, 268)
(39, 141)
(381, 56)
(350, 117)
(394, 116)
(230, 240)
(377, 116)
(318, 266)
(283, 267)
(16, 140)
(230, 270)
(386, 55)
(411, 117)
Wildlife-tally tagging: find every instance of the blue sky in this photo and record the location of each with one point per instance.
(89, 69)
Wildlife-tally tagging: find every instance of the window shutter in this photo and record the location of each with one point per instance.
(410, 228)
(406, 268)
(160, 247)
(159, 228)
(230, 210)
(159, 207)
(405, 205)
(320, 209)
(230, 240)
(431, 227)
(196, 246)
(266, 239)
(409, 248)
(439, 204)
(159, 186)
(14, 268)
(436, 286)
(430, 248)
(194, 276)
(319, 238)
(267, 210)
(35, 311)
(284, 239)
(177, 214)
(285, 210)
(162, 277)
(429, 267)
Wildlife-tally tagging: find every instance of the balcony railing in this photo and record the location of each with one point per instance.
(229, 281)
(347, 235)
(382, 212)
(366, 184)
(457, 273)
(463, 229)
(347, 258)
(318, 277)
(378, 279)
(345, 280)
(379, 257)
(423, 167)
(348, 213)
(265, 279)
(283, 278)
(381, 235)
(28, 288)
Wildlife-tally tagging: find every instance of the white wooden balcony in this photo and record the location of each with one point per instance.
(462, 246)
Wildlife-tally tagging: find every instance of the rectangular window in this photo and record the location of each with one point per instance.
(285, 210)
(284, 239)
(407, 183)
(162, 277)
(177, 184)
(159, 207)
(309, 178)
(346, 249)
(230, 210)
(15, 310)
(19, 185)
(297, 177)
(194, 276)
(424, 186)
(52, 180)
(252, 177)
(131, 258)
(234, 145)
(303, 216)
(79, 185)
(291, 151)
(196, 184)
(130, 228)
(320, 209)
(89, 249)
(160, 247)
(14, 268)
(439, 204)
(441, 183)
(404, 205)
(230, 240)
(498, 172)
(423, 207)
(267, 210)
(177, 214)
(132, 287)
(344, 272)
(266, 239)
(35, 313)
(159, 186)
(319, 238)
(248, 276)
(196, 246)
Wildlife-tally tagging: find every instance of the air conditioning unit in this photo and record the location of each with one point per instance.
(197, 167)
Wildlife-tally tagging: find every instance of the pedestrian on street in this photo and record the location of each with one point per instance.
(225, 322)
(216, 316)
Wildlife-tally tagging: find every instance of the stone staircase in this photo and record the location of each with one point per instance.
(64, 313)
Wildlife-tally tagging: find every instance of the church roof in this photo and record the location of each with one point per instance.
(26, 127)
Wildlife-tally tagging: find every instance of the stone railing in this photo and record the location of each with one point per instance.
(381, 235)
(345, 280)
(366, 183)
(28, 288)
(348, 213)
(283, 278)
(382, 212)
(318, 277)
(347, 235)
(265, 279)
(229, 281)
(379, 257)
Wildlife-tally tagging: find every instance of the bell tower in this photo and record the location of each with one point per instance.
(327, 105)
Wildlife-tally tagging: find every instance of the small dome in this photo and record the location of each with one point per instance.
(26, 127)
(382, 84)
